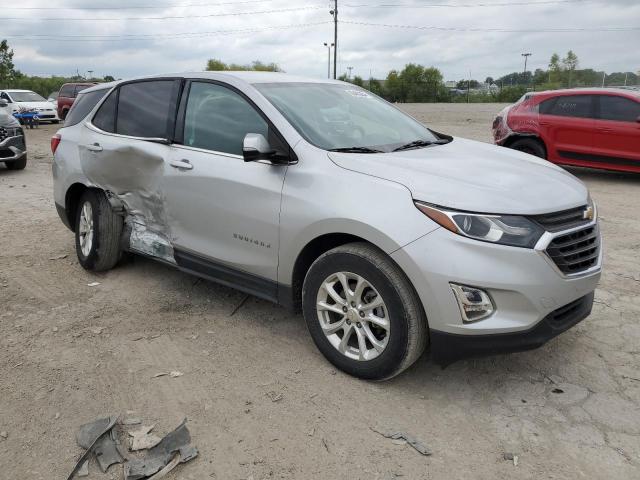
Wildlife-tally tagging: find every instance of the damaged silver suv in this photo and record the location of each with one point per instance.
(390, 237)
(13, 145)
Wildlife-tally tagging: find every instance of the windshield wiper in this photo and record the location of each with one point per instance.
(420, 143)
(356, 150)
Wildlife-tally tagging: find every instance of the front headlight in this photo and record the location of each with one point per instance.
(513, 230)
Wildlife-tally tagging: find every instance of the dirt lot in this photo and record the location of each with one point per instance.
(70, 353)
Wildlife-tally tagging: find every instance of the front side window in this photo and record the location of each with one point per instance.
(146, 109)
(27, 97)
(572, 106)
(217, 118)
(334, 116)
(105, 117)
(82, 106)
(619, 109)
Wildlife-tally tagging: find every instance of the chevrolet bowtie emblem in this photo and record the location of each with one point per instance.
(588, 213)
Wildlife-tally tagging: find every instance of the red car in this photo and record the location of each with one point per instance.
(67, 95)
(595, 127)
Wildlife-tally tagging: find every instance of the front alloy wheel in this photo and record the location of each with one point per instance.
(362, 312)
(85, 228)
(353, 316)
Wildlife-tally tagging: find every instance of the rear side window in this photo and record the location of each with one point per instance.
(82, 106)
(105, 117)
(147, 109)
(571, 106)
(619, 109)
(66, 91)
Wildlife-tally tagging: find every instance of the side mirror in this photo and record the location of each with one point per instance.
(4, 102)
(638, 119)
(255, 147)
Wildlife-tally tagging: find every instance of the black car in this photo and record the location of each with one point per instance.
(13, 144)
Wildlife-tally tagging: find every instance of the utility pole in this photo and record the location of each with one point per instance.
(526, 57)
(349, 76)
(625, 79)
(604, 74)
(329, 58)
(334, 12)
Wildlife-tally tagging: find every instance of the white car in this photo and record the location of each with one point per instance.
(318, 195)
(26, 100)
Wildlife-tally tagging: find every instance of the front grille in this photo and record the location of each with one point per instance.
(577, 251)
(3, 133)
(565, 220)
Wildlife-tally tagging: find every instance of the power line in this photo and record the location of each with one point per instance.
(136, 7)
(177, 36)
(465, 5)
(499, 30)
(168, 17)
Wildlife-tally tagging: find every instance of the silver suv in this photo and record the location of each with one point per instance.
(320, 196)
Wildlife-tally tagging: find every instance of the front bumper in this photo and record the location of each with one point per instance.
(446, 348)
(524, 284)
(12, 148)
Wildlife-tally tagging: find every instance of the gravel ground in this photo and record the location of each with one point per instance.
(70, 353)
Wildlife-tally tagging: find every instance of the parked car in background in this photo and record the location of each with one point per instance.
(13, 146)
(53, 98)
(28, 101)
(68, 94)
(595, 127)
(389, 237)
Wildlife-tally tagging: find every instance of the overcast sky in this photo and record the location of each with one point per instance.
(454, 35)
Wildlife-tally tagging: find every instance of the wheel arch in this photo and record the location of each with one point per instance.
(529, 136)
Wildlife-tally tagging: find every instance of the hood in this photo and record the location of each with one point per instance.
(475, 177)
(32, 105)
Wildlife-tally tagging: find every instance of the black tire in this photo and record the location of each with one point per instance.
(55, 122)
(17, 164)
(530, 146)
(104, 252)
(407, 335)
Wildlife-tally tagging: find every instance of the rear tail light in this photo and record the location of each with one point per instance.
(55, 141)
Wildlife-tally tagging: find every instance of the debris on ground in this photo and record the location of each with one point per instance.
(93, 284)
(400, 438)
(275, 396)
(104, 447)
(172, 374)
(83, 471)
(130, 421)
(173, 449)
(239, 306)
(4, 434)
(143, 439)
(163, 454)
(511, 457)
(59, 257)
(89, 436)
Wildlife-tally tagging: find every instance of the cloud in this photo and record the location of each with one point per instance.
(123, 46)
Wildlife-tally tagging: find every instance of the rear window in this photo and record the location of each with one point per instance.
(82, 106)
(620, 109)
(66, 91)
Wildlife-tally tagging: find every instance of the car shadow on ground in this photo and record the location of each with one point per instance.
(592, 174)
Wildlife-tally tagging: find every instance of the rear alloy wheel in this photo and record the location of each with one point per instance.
(530, 146)
(363, 313)
(98, 230)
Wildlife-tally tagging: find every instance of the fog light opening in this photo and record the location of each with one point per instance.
(475, 304)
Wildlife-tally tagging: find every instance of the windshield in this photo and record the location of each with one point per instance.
(335, 116)
(26, 97)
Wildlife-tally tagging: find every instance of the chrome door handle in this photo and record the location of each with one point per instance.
(95, 147)
(181, 164)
